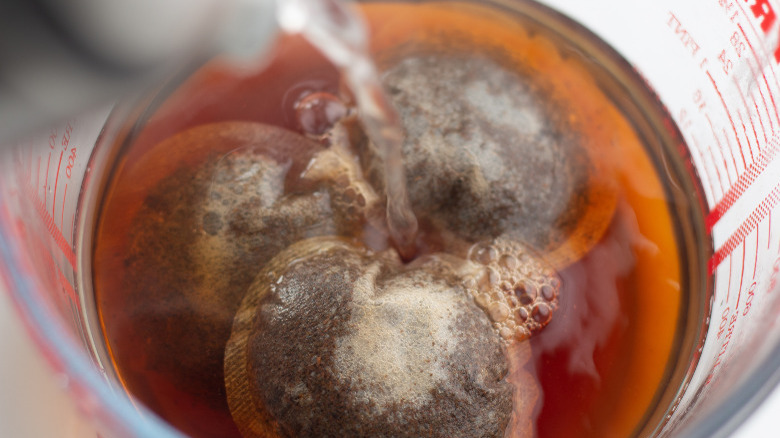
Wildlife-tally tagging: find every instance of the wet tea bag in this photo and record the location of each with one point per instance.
(201, 233)
(489, 153)
(335, 340)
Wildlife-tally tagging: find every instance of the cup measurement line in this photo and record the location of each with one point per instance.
(724, 349)
(56, 182)
(70, 223)
(48, 262)
(62, 208)
(46, 181)
(741, 272)
(732, 318)
(758, 233)
(758, 62)
(760, 121)
(728, 113)
(725, 334)
(731, 270)
(717, 169)
(742, 268)
(51, 226)
(704, 167)
(733, 156)
(745, 180)
(38, 173)
(750, 119)
(756, 75)
(51, 266)
(721, 152)
(747, 137)
(750, 224)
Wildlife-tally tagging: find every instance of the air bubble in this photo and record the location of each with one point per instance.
(506, 333)
(548, 293)
(522, 333)
(498, 311)
(483, 300)
(493, 277)
(517, 291)
(318, 112)
(541, 313)
(488, 279)
(509, 261)
(484, 254)
(525, 292)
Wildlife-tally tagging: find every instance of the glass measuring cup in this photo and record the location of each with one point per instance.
(715, 69)
(50, 181)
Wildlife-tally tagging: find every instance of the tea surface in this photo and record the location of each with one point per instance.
(169, 279)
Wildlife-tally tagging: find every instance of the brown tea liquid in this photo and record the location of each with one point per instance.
(600, 362)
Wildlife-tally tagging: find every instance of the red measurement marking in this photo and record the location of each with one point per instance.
(38, 173)
(46, 180)
(743, 182)
(742, 270)
(51, 266)
(750, 118)
(769, 231)
(761, 122)
(55, 232)
(704, 166)
(739, 297)
(755, 261)
(728, 113)
(56, 181)
(717, 171)
(758, 62)
(745, 229)
(731, 152)
(62, 208)
(750, 146)
(726, 108)
(720, 150)
(728, 282)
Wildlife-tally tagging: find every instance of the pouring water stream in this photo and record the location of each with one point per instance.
(341, 36)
